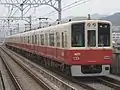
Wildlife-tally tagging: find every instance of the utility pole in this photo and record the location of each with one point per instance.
(18, 28)
(29, 24)
(26, 5)
(30, 21)
(21, 9)
(59, 10)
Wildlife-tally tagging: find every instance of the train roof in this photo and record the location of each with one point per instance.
(56, 26)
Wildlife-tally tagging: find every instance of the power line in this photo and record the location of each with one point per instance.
(72, 5)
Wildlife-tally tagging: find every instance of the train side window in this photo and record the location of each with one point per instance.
(35, 39)
(58, 39)
(46, 39)
(28, 40)
(62, 39)
(65, 39)
(32, 39)
(51, 39)
(24, 39)
(21, 39)
(42, 39)
(38, 39)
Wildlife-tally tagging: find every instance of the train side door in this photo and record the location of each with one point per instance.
(57, 43)
(91, 38)
(63, 44)
(91, 35)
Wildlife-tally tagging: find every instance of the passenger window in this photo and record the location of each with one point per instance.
(65, 39)
(24, 39)
(32, 39)
(42, 39)
(58, 39)
(46, 39)
(38, 39)
(62, 39)
(35, 39)
(28, 40)
(51, 39)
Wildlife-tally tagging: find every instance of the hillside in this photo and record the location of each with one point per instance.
(115, 19)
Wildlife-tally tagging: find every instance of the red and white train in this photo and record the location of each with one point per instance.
(78, 48)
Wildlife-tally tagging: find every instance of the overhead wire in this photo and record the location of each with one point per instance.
(74, 4)
(27, 10)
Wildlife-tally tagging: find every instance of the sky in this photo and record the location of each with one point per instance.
(104, 7)
(92, 6)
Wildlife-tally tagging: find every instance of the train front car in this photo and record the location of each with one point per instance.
(91, 48)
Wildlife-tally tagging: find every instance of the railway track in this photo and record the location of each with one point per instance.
(5, 79)
(110, 82)
(13, 77)
(101, 83)
(97, 84)
(21, 78)
(2, 86)
(60, 84)
(62, 80)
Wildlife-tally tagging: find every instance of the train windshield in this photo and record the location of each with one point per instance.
(103, 34)
(77, 35)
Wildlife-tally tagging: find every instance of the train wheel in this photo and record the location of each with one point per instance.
(67, 70)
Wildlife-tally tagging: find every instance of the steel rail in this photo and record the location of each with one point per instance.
(13, 78)
(82, 84)
(2, 81)
(109, 82)
(46, 74)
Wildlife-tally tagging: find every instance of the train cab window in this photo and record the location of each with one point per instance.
(42, 39)
(91, 37)
(58, 39)
(78, 35)
(103, 35)
(51, 39)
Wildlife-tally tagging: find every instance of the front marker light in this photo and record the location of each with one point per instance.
(76, 58)
(107, 58)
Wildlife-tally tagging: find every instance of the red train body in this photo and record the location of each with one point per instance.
(84, 47)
